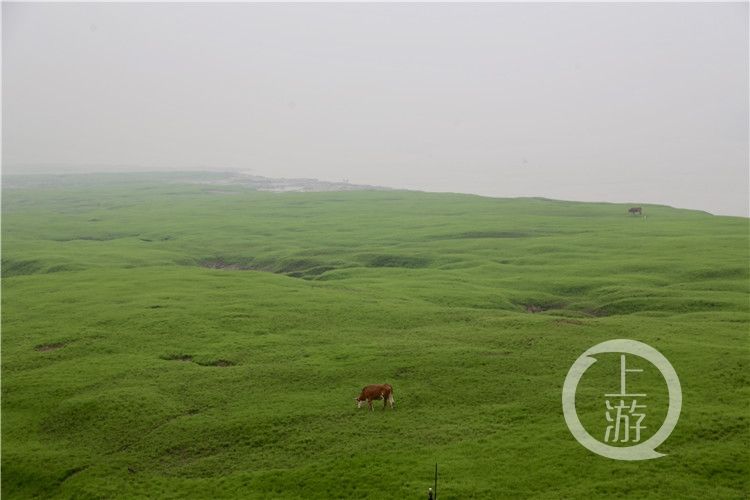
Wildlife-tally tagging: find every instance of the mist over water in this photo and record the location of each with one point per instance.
(610, 102)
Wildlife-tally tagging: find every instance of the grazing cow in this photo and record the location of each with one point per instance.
(376, 392)
(635, 210)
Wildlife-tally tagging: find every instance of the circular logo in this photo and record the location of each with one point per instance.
(641, 451)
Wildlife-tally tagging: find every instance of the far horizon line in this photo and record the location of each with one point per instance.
(48, 169)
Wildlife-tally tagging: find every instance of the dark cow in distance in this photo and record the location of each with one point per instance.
(635, 210)
(376, 392)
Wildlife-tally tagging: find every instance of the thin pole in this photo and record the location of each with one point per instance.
(436, 481)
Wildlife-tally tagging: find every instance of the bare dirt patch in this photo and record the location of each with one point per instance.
(538, 307)
(97, 237)
(178, 357)
(292, 267)
(222, 264)
(49, 347)
(188, 358)
(219, 362)
(386, 260)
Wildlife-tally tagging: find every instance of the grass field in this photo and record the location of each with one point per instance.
(167, 339)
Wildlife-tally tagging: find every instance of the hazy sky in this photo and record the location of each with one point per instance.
(615, 102)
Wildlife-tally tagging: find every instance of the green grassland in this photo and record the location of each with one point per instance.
(168, 339)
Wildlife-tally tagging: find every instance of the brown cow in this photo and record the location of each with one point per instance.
(376, 392)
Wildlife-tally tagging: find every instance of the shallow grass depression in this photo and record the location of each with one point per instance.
(164, 339)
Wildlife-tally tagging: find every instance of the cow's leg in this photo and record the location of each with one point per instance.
(369, 403)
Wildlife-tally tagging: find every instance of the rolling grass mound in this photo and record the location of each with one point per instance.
(160, 341)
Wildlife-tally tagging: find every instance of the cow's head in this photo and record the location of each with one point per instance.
(359, 402)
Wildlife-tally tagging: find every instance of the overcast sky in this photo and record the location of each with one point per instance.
(642, 103)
